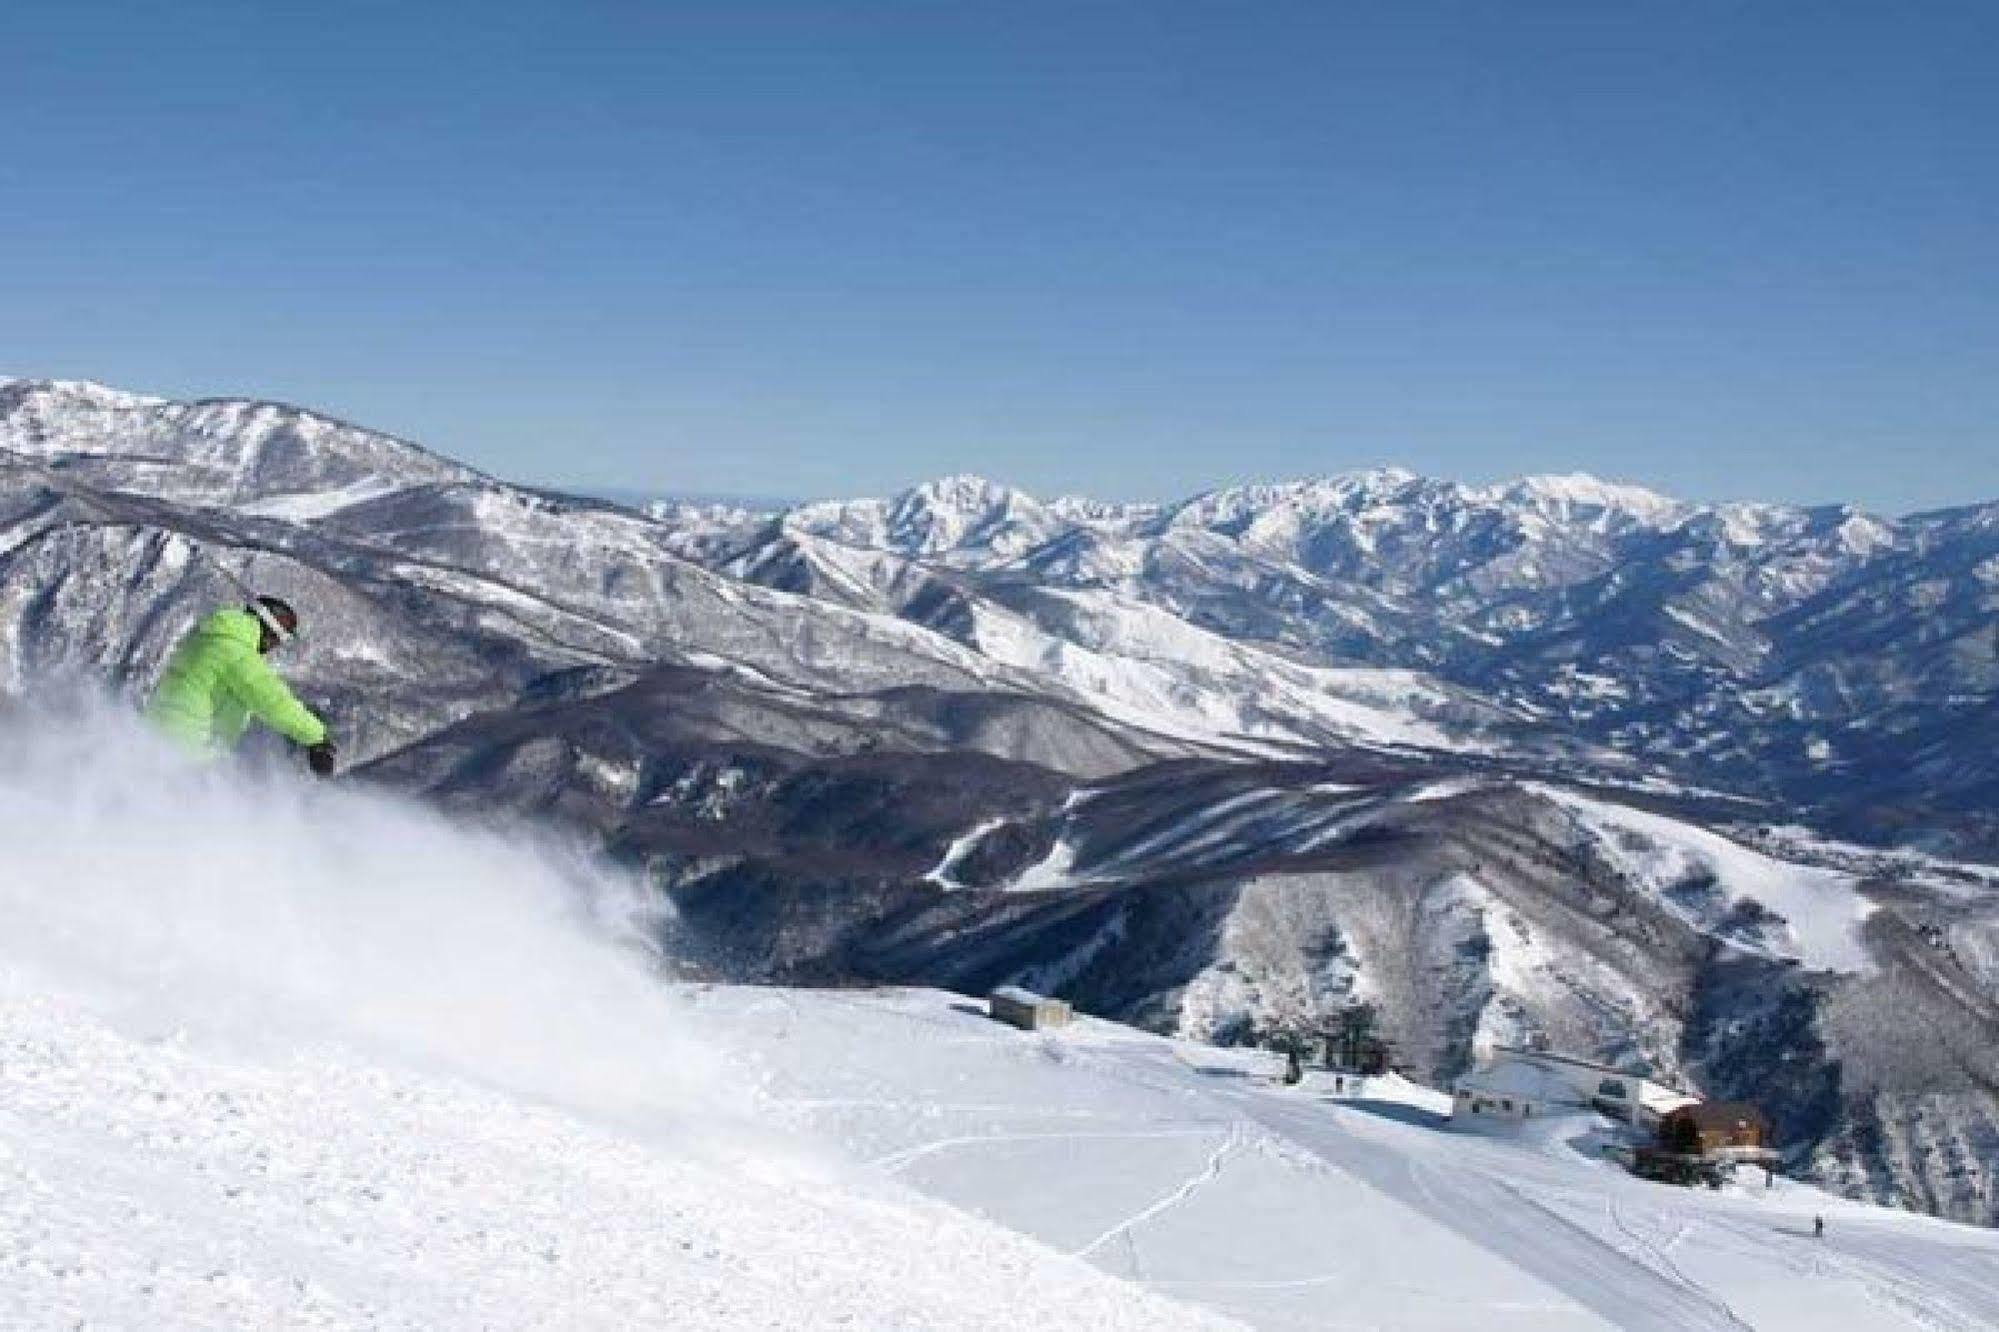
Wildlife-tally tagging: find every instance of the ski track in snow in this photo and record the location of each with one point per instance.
(1209, 1172)
(898, 1160)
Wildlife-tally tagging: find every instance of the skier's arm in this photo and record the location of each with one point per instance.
(267, 698)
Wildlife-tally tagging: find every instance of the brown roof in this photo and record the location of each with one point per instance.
(1721, 1116)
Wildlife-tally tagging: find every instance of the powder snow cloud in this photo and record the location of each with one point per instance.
(252, 907)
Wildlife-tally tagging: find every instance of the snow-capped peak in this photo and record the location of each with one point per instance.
(227, 450)
(1237, 504)
(1580, 490)
(51, 397)
(962, 492)
(935, 518)
(1863, 534)
(1085, 512)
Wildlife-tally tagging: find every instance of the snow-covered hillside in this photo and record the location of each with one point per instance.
(273, 1055)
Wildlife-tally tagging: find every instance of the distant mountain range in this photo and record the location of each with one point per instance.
(1842, 664)
(1710, 787)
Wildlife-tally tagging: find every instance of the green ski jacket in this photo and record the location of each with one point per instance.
(217, 682)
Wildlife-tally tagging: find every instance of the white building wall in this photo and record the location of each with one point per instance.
(1521, 1083)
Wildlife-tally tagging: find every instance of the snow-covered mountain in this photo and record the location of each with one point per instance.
(1757, 647)
(256, 456)
(1466, 751)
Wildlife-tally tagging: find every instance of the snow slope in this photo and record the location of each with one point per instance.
(276, 1056)
(1813, 915)
(1189, 1169)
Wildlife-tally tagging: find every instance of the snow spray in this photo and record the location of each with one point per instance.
(264, 912)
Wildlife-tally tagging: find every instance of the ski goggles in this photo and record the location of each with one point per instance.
(271, 622)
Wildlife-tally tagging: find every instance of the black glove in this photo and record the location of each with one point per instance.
(320, 758)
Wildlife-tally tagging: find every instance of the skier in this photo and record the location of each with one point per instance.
(217, 682)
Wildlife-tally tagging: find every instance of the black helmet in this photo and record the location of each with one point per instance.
(277, 617)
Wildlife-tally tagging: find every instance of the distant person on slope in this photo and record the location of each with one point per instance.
(218, 682)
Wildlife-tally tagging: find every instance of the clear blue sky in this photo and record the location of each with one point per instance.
(1744, 249)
